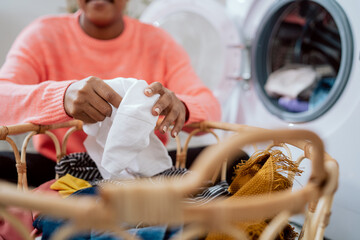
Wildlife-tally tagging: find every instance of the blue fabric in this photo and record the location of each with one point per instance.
(321, 92)
(49, 225)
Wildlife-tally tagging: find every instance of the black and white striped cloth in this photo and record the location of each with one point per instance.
(210, 193)
(79, 165)
(173, 172)
(205, 194)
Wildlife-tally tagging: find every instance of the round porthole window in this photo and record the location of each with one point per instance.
(301, 58)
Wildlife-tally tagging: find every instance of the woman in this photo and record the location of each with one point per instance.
(55, 69)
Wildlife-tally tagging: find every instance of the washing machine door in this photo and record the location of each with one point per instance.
(295, 35)
(208, 35)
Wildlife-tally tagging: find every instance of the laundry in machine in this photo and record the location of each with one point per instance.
(286, 38)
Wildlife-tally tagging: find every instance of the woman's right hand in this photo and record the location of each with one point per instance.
(89, 100)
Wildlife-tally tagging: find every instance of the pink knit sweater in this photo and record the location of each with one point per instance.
(52, 52)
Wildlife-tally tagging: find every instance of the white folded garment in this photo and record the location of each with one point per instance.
(125, 145)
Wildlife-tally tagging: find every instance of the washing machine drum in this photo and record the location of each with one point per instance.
(210, 38)
(301, 58)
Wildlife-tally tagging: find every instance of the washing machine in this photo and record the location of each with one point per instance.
(214, 45)
(237, 49)
(322, 34)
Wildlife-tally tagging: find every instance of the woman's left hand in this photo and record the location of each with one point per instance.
(168, 105)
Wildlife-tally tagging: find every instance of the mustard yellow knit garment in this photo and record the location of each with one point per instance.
(68, 184)
(265, 172)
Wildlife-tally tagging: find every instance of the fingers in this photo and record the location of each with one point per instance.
(108, 94)
(172, 126)
(168, 105)
(179, 123)
(174, 120)
(154, 88)
(88, 100)
(162, 106)
(86, 118)
(95, 114)
(100, 105)
(88, 114)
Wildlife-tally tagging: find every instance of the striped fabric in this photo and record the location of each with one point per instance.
(79, 165)
(210, 193)
(173, 172)
(205, 195)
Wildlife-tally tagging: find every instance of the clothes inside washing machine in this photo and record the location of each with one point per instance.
(305, 56)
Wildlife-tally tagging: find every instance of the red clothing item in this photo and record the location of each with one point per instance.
(26, 217)
(54, 51)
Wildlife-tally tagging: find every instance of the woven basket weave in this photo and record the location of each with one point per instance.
(163, 203)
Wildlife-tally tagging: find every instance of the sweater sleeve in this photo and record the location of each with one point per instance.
(183, 81)
(26, 94)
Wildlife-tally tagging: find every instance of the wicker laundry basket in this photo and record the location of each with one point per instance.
(163, 203)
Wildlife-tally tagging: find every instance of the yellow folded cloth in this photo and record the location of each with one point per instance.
(68, 184)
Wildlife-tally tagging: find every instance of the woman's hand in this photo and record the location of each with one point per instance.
(168, 105)
(89, 100)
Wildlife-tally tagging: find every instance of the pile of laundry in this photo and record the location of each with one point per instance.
(299, 87)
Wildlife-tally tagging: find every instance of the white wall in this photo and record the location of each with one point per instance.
(16, 14)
